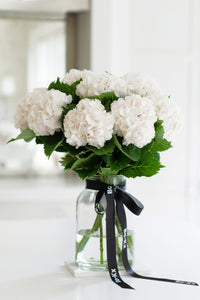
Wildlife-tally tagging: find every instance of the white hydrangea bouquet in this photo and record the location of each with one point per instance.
(107, 126)
(103, 124)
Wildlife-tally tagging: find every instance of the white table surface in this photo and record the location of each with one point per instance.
(37, 233)
(33, 252)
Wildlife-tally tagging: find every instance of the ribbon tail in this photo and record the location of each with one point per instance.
(122, 219)
(132, 203)
(110, 239)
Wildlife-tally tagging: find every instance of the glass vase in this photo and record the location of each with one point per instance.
(91, 253)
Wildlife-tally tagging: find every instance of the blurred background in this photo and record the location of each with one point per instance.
(40, 40)
(43, 39)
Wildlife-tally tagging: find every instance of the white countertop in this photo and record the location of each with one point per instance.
(33, 252)
(37, 233)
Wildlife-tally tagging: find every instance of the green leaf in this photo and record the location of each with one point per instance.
(61, 147)
(87, 163)
(56, 142)
(106, 172)
(87, 167)
(66, 88)
(116, 161)
(38, 140)
(148, 166)
(106, 99)
(109, 159)
(156, 155)
(83, 173)
(120, 162)
(50, 139)
(107, 148)
(158, 144)
(71, 149)
(49, 149)
(131, 151)
(87, 172)
(51, 142)
(107, 72)
(27, 135)
(67, 161)
(159, 130)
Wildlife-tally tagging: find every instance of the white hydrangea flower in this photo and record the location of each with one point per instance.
(134, 119)
(21, 115)
(96, 84)
(88, 123)
(119, 86)
(41, 111)
(75, 75)
(170, 114)
(166, 110)
(91, 85)
(142, 85)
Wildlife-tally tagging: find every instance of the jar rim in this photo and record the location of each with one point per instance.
(110, 179)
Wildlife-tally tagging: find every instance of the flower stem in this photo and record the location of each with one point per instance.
(80, 246)
(118, 250)
(130, 243)
(101, 238)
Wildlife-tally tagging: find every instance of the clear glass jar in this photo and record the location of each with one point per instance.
(91, 253)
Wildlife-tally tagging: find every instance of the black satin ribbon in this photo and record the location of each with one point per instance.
(121, 197)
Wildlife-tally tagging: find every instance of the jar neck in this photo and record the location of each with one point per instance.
(109, 179)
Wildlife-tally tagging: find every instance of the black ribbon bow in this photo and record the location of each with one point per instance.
(116, 196)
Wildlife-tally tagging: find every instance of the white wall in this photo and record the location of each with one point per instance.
(160, 39)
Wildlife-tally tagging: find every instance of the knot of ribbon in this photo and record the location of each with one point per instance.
(116, 198)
